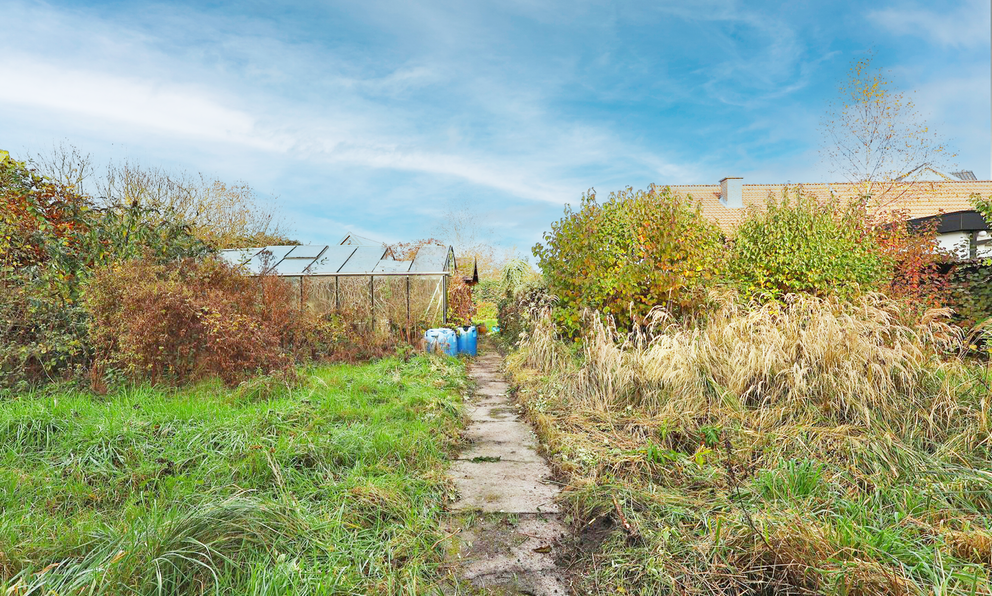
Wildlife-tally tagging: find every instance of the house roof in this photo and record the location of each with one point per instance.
(916, 199)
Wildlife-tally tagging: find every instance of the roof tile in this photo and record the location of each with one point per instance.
(914, 199)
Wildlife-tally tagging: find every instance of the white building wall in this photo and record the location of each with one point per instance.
(986, 250)
(954, 242)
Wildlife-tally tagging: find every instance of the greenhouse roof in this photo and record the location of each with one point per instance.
(356, 240)
(432, 257)
(344, 259)
(363, 260)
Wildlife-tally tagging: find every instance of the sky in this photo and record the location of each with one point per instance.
(383, 117)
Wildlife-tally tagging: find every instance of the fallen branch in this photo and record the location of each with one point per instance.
(631, 532)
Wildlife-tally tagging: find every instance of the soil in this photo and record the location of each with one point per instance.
(505, 536)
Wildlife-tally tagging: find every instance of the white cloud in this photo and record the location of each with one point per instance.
(965, 26)
(147, 104)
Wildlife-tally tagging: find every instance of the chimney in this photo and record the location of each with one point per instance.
(732, 192)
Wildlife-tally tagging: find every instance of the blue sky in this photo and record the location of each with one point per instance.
(381, 116)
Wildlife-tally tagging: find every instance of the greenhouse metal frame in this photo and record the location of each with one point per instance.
(312, 266)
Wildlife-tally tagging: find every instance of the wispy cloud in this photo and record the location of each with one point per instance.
(967, 25)
(181, 111)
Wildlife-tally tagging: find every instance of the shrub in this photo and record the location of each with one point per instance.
(918, 263)
(629, 254)
(486, 311)
(799, 245)
(37, 217)
(342, 336)
(51, 237)
(189, 319)
(461, 308)
(970, 291)
(43, 337)
(518, 309)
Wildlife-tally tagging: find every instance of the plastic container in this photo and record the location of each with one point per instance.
(442, 341)
(485, 326)
(468, 340)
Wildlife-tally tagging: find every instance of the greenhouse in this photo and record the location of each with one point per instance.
(360, 277)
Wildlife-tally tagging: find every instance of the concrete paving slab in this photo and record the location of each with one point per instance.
(499, 452)
(491, 412)
(504, 486)
(521, 554)
(502, 431)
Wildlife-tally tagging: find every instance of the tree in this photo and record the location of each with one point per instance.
(466, 229)
(222, 215)
(66, 165)
(876, 138)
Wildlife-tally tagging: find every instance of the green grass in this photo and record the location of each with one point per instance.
(335, 485)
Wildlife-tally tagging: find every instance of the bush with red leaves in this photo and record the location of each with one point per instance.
(189, 320)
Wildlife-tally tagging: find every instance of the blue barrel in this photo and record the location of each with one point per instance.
(468, 340)
(441, 341)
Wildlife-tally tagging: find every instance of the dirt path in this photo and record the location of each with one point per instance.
(505, 528)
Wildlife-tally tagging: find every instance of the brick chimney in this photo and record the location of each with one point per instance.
(732, 192)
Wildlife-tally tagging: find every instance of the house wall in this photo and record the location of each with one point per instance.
(954, 242)
(984, 250)
(957, 243)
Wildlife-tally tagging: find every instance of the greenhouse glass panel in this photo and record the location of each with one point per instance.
(364, 259)
(293, 267)
(268, 258)
(332, 259)
(238, 256)
(307, 251)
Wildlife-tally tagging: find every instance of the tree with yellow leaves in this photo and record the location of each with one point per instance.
(876, 138)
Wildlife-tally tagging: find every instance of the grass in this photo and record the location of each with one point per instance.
(814, 447)
(334, 485)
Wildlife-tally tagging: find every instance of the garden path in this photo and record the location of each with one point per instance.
(505, 526)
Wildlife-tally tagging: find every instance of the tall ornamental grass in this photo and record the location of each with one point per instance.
(809, 446)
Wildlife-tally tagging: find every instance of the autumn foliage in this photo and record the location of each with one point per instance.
(624, 256)
(800, 245)
(644, 249)
(187, 320)
(36, 213)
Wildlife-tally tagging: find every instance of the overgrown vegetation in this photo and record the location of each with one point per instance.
(799, 416)
(51, 239)
(806, 447)
(628, 254)
(112, 289)
(331, 485)
(189, 320)
(800, 245)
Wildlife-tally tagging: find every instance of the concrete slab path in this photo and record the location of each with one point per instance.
(505, 529)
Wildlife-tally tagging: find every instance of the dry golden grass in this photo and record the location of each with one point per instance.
(809, 447)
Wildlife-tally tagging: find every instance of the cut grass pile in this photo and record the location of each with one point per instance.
(335, 485)
(814, 447)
